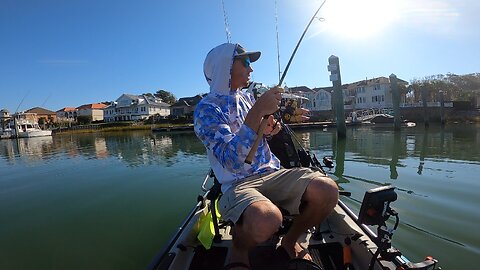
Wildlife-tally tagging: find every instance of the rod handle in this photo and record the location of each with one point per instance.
(260, 132)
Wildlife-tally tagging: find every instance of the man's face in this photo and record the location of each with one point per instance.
(240, 72)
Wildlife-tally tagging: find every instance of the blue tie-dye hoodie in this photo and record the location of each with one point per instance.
(218, 121)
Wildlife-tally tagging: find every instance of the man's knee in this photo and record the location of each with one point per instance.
(263, 218)
(322, 190)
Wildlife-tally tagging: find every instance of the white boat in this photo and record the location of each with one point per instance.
(342, 241)
(23, 127)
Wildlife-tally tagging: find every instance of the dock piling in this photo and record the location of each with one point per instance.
(335, 78)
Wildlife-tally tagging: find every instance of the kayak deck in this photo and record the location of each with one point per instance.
(325, 245)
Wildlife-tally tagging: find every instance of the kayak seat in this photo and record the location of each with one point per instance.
(213, 194)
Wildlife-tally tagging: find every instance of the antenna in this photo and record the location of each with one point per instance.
(49, 95)
(16, 110)
(225, 19)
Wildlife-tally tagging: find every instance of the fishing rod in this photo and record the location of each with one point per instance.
(264, 122)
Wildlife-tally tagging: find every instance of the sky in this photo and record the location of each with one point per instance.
(57, 53)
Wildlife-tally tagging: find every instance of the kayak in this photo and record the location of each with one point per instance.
(344, 241)
(340, 242)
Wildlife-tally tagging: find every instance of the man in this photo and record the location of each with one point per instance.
(227, 121)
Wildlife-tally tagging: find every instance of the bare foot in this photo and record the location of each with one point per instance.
(298, 252)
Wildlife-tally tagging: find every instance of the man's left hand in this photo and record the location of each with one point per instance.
(272, 127)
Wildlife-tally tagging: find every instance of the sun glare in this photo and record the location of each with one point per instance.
(358, 18)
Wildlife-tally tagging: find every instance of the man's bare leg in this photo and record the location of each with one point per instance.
(320, 198)
(259, 222)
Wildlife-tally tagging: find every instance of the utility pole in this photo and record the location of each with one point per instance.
(334, 68)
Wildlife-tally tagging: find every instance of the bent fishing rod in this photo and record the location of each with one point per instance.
(264, 122)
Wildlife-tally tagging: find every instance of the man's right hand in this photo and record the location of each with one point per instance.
(269, 101)
(266, 104)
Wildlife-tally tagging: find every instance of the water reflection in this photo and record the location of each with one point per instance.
(383, 147)
(31, 149)
(132, 148)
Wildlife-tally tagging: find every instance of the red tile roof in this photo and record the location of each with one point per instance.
(92, 106)
(67, 109)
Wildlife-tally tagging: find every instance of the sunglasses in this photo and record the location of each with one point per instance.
(246, 62)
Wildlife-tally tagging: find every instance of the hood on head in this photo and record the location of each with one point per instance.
(218, 66)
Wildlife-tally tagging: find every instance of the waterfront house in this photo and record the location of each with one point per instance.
(4, 118)
(372, 93)
(135, 107)
(320, 99)
(185, 106)
(93, 110)
(67, 114)
(47, 115)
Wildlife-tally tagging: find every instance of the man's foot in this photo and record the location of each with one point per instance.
(297, 252)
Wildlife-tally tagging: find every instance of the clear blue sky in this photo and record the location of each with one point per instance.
(56, 53)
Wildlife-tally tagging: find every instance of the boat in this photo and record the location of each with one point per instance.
(386, 118)
(343, 241)
(22, 125)
(382, 118)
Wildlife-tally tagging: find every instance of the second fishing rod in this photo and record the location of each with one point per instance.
(264, 122)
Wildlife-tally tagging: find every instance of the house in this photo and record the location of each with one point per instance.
(93, 110)
(39, 112)
(185, 105)
(135, 107)
(373, 93)
(4, 117)
(67, 113)
(320, 99)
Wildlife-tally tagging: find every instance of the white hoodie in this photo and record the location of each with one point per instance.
(219, 123)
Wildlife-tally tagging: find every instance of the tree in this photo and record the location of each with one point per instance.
(166, 96)
(84, 119)
(454, 87)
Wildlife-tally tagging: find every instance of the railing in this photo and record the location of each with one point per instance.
(367, 114)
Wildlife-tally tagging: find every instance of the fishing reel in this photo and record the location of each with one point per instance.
(289, 106)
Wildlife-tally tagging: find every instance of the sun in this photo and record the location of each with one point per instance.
(358, 18)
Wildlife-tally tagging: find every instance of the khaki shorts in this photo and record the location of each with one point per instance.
(284, 188)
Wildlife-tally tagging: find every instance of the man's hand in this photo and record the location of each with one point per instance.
(269, 101)
(272, 127)
(266, 104)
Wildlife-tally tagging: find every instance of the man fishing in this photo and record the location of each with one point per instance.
(227, 121)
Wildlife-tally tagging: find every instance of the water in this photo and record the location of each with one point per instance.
(111, 201)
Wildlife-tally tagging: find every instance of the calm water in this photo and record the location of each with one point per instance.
(112, 201)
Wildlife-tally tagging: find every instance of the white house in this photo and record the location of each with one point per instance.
(135, 107)
(320, 99)
(373, 93)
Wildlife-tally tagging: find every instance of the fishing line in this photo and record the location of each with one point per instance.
(298, 44)
(225, 20)
(278, 46)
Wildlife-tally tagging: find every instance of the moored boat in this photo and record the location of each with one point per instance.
(22, 126)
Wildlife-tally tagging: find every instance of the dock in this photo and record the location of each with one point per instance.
(294, 126)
